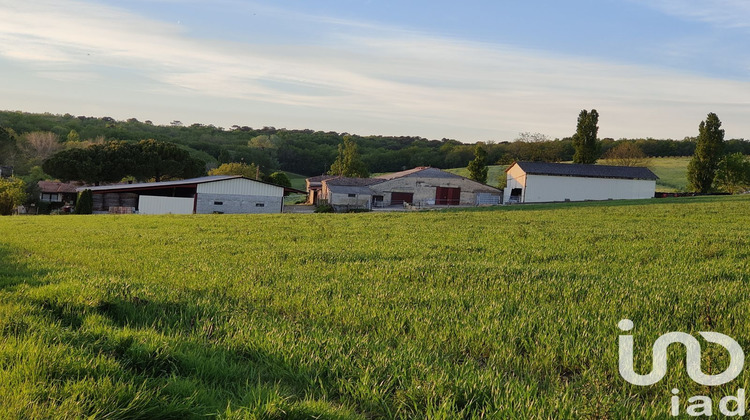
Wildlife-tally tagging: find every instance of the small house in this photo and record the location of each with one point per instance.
(58, 192)
(315, 186)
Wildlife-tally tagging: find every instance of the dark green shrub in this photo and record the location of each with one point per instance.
(324, 208)
(85, 202)
(280, 178)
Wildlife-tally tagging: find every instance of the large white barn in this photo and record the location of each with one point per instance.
(543, 182)
(210, 194)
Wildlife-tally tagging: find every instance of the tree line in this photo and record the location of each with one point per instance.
(115, 160)
(95, 150)
(713, 167)
(309, 152)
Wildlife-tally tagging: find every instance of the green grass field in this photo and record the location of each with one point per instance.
(672, 173)
(495, 313)
(493, 174)
(297, 180)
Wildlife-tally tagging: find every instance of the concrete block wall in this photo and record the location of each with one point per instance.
(237, 204)
(342, 202)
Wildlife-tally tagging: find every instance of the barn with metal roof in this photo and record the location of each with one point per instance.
(419, 187)
(544, 182)
(231, 194)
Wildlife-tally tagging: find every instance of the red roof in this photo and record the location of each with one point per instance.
(53, 187)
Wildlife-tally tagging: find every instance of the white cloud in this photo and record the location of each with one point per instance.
(725, 13)
(365, 79)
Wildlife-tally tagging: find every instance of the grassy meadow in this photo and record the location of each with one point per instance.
(494, 173)
(672, 173)
(504, 313)
(297, 180)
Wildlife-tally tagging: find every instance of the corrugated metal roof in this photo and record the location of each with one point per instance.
(586, 171)
(320, 178)
(182, 182)
(402, 174)
(352, 181)
(422, 171)
(350, 189)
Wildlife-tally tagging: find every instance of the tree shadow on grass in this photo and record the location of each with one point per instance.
(198, 367)
(13, 271)
(193, 374)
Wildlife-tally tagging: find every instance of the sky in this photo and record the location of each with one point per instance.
(474, 70)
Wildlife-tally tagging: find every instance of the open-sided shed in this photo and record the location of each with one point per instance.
(211, 194)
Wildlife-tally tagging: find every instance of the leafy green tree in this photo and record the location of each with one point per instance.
(73, 136)
(85, 202)
(478, 167)
(35, 175)
(160, 160)
(12, 194)
(280, 178)
(264, 141)
(121, 159)
(224, 156)
(69, 165)
(93, 165)
(733, 173)
(236, 168)
(113, 161)
(708, 152)
(585, 140)
(8, 147)
(348, 162)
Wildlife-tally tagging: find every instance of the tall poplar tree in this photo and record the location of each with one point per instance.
(584, 140)
(709, 148)
(478, 167)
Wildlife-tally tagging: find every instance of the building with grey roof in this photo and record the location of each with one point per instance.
(231, 194)
(419, 187)
(544, 182)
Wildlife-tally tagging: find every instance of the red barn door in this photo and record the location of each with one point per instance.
(446, 196)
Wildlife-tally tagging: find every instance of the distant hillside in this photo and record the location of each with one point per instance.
(308, 152)
(305, 152)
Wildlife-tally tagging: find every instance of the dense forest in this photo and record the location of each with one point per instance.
(307, 152)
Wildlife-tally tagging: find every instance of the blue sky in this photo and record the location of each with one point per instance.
(472, 70)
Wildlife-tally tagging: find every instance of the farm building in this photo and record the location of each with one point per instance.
(58, 192)
(419, 187)
(542, 182)
(211, 194)
(315, 186)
